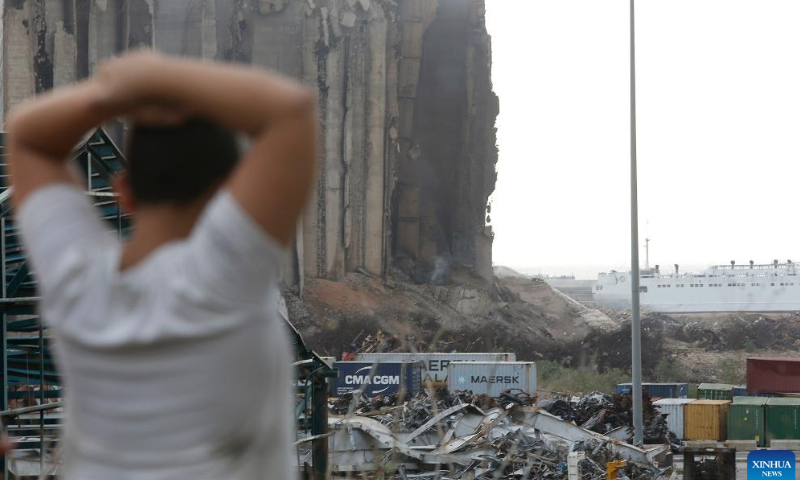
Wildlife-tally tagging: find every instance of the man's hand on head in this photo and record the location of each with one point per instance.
(158, 115)
(130, 80)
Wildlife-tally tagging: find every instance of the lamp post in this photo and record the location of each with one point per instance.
(636, 322)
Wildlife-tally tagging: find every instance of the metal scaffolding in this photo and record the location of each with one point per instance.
(29, 375)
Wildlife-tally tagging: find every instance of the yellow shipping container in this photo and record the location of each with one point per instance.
(706, 420)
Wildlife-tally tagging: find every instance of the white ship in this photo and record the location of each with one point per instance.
(771, 287)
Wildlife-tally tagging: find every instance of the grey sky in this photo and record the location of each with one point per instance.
(719, 131)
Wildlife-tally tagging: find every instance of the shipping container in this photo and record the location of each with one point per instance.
(706, 420)
(385, 378)
(715, 391)
(657, 390)
(674, 409)
(434, 368)
(491, 378)
(779, 375)
(746, 419)
(782, 419)
(621, 388)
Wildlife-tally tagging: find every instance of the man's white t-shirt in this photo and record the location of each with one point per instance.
(176, 368)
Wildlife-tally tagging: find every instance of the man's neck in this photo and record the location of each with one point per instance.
(155, 226)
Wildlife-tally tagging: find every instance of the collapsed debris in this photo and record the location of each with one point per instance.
(608, 414)
(384, 342)
(460, 435)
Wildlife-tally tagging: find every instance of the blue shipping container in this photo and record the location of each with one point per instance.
(658, 390)
(622, 388)
(377, 379)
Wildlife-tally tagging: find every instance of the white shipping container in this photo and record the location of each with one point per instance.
(674, 408)
(434, 365)
(491, 378)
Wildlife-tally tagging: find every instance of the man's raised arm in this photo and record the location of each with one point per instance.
(43, 131)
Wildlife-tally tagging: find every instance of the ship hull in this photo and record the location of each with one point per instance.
(625, 304)
(762, 288)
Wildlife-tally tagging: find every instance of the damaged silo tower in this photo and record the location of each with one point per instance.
(406, 106)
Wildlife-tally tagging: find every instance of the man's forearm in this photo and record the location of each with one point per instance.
(240, 98)
(53, 123)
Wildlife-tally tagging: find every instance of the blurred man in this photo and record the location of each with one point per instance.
(174, 361)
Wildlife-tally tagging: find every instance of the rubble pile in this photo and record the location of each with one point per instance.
(421, 406)
(605, 414)
(380, 342)
(722, 331)
(338, 318)
(524, 457)
(384, 342)
(449, 435)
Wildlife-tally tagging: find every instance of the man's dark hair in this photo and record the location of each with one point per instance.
(178, 164)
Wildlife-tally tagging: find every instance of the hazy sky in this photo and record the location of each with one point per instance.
(719, 131)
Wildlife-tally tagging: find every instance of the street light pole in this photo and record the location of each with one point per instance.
(636, 323)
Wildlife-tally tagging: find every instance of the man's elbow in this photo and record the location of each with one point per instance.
(13, 123)
(305, 100)
(18, 125)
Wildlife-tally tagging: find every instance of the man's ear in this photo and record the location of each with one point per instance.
(124, 191)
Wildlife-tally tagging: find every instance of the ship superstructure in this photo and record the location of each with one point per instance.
(773, 287)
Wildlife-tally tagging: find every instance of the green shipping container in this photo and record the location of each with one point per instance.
(715, 391)
(782, 419)
(746, 419)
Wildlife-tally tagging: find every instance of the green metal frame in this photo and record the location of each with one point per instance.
(312, 405)
(27, 368)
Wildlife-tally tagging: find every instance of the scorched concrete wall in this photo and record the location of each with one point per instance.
(406, 109)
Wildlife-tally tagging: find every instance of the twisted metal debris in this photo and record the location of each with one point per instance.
(605, 414)
(442, 435)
